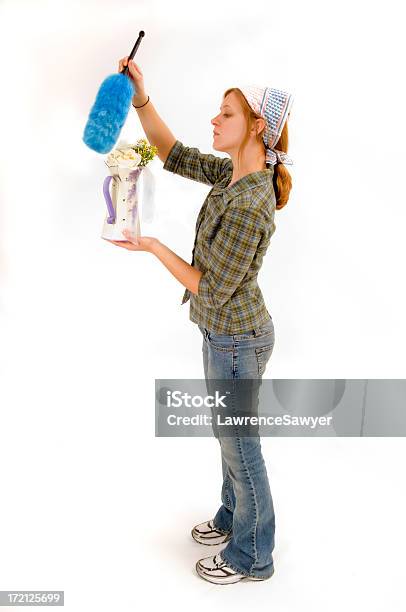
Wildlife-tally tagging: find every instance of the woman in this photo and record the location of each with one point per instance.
(233, 231)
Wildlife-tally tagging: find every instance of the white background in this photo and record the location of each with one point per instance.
(91, 502)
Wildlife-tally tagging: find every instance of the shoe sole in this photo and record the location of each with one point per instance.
(226, 539)
(203, 575)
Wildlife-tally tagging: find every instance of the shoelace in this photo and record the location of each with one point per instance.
(218, 561)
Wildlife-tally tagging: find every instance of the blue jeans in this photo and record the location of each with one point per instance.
(247, 507)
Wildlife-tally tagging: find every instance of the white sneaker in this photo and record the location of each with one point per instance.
(215, 570)
(206, 533)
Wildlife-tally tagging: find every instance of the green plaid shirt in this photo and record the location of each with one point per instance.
(233, 231)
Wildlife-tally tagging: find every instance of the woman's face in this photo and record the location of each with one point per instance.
(229, 125)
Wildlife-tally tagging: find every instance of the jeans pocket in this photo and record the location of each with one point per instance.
(263, 354)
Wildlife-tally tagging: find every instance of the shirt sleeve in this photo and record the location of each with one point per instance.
(190, 163)
(230, 257)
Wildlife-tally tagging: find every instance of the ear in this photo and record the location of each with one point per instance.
(260, 125)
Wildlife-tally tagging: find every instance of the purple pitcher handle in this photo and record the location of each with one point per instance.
(110, 208)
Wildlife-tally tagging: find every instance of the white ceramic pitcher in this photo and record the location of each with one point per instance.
(121, 193)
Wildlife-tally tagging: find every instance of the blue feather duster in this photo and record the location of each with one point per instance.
(109, 112)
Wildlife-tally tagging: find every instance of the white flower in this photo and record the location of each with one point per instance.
(125, 158)
(129, 163)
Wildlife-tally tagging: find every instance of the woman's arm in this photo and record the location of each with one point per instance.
(156, 130)
(181, 270)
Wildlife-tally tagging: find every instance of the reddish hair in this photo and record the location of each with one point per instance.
(282, 180)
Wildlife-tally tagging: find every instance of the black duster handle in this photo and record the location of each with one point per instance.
(134, 50)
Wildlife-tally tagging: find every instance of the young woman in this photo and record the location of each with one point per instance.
(233, 231)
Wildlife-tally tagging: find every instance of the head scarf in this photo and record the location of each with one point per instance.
(274, 106)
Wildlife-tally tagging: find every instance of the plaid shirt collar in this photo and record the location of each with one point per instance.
(254, 179)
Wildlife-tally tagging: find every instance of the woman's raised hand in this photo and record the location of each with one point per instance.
(135, 74)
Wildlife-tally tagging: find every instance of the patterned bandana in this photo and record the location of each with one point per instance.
(274, 106)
